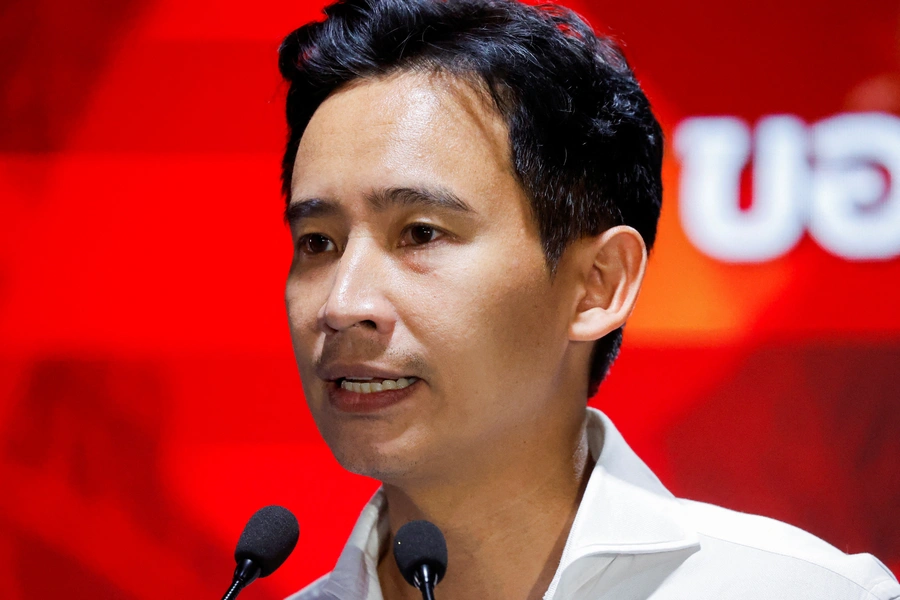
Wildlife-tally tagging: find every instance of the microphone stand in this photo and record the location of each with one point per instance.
(245, 573)
(425, 580)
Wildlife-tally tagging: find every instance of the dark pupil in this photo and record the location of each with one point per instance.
(422, 234)
(317, 243)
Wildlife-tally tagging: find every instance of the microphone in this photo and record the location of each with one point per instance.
(421, 554)
(267, 540)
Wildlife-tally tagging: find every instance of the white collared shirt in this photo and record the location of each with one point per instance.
(633, 540)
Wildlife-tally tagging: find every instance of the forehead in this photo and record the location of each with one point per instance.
(406, 130)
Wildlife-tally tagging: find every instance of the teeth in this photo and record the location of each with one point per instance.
(368, 387)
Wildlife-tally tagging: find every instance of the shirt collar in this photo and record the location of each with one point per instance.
(356, 573)
(627, 523)
(626, 517)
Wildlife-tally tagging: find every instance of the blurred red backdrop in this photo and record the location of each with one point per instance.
(148, 397)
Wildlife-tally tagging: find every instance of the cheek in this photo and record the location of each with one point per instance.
(298, 309)
(305, 295)
(521, 321)
(303, 307)
(488, 322)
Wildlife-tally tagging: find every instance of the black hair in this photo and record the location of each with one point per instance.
(584, 143)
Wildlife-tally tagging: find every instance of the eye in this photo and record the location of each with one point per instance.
(315, 243)
(420, 233)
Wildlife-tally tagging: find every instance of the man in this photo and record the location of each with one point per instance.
(473, 187)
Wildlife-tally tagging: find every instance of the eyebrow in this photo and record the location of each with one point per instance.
(436, 197)
(380, 200)
(308, 209)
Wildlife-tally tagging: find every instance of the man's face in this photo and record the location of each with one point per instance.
(416, 258)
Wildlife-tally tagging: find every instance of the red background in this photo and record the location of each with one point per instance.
(148, 397)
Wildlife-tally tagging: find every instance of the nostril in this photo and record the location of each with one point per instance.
(369, 323)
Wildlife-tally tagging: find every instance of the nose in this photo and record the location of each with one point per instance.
(358, 293)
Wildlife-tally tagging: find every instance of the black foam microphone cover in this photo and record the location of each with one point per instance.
(417, 543)
(268, 539)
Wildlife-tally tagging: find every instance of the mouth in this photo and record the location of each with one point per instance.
(373, 385)
(368, 395)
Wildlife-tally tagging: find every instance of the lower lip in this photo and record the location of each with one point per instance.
(356, 402)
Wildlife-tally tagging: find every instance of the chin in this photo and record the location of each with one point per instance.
(384, 468)
(388, 462)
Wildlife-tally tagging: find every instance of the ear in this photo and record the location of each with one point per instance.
(612, 269)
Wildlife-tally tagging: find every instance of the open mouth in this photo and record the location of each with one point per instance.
(371, 385)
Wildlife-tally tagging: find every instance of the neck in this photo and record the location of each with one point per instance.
(506, 527)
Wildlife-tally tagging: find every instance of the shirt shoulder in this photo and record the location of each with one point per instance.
(751, 552)
(314, 591)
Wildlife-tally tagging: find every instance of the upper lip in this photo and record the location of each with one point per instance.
(336, 371)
